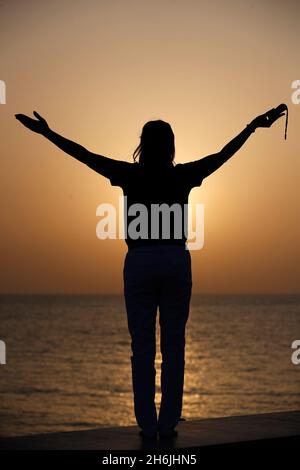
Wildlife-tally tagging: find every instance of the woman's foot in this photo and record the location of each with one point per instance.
(148, 435)
(168, 434)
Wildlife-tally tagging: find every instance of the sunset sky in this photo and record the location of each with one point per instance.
(97, 70)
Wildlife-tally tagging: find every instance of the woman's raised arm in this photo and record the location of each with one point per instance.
(103, 165)
(207, 165)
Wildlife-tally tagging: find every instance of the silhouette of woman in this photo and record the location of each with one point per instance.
(157, 266)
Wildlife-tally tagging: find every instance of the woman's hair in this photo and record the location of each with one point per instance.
(157, 145)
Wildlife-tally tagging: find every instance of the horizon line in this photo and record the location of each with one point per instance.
(120, 294)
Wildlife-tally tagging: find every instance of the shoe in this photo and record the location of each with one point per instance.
(146, 435)
(168, 434)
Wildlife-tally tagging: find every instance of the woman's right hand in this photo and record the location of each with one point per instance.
(38, 125)
(267, 119)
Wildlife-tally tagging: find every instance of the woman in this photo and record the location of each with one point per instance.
(157, 267)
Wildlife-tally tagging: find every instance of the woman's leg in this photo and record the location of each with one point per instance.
(174, 300)
(140, 291)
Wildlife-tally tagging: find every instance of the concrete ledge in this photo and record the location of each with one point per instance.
(198, 433)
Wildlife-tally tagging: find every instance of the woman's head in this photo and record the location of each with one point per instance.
(157, 147)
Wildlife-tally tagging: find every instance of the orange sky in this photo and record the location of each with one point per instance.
(97, 71)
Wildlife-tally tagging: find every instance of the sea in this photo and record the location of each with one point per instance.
(68, 360)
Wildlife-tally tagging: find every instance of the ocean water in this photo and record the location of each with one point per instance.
(68, 360)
